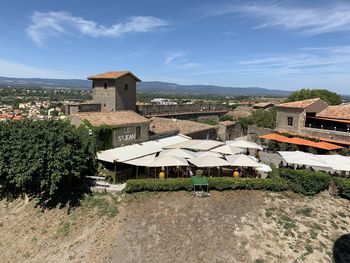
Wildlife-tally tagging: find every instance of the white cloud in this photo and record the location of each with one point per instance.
(311, 21)
(46, 24)
(174, 57)
(14, 69)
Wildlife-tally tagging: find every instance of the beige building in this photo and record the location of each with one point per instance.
(313, 117)
(128, 126)
(115, 90)
(229, 130)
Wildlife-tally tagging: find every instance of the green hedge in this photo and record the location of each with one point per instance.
(306, 182)
(343, 186)
(153, 185)
(217, 183)
(229, 183)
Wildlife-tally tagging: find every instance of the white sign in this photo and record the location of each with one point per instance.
(127, 137)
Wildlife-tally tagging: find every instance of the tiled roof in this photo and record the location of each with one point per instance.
(112, 118)
(263, 104)
(165, 125)
(113, 75)
(226, 123)
(336, 112)
(239, 114)
(299, 104)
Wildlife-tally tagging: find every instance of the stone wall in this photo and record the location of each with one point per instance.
(229, 132)
(129, 135)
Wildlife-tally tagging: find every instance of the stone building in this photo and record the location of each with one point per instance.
(115, 90)
(315, 118)
(128, 126)
(229, 130)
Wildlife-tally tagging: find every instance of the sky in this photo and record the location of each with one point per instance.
(284, 45)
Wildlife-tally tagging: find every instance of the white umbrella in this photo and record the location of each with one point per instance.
(182, 153)
(228, 149)
(208, 161)
(244, 144)
(241, 160)
(147, 161)
(303, 158)
(167, 160)
(336, 162)
(209, 154)
(264, 168)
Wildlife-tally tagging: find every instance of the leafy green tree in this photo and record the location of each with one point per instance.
(327, 96)
(261, 118)
(44, 159)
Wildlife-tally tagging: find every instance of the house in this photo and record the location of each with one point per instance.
(314, 118)
(128, 126)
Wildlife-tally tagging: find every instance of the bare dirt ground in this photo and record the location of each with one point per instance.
(235, 226)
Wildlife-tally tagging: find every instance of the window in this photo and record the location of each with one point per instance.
(126, 86)
(105, 85)
(290, 121)
(138, 132)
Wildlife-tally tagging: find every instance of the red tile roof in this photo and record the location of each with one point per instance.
(302, 104)
(112, 118)
(336, 112)
(113, 75)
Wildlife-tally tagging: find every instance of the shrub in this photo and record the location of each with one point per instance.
(44, 159)
(343, 186)
(217, 183)
(154, 185)
(229, 183)
(306, 182)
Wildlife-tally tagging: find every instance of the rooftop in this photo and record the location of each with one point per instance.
(336, 112)
(302, 104)
(112, 118)
(226, 123)
(113, 75)
(239, 114)
(165, 125)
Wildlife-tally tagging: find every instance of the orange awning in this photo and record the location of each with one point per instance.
(335, 141)
(300, 141)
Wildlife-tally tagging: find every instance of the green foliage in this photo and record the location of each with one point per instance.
(229, 183)
(261, 118)
(327, 96)
(153, 185)
(343, 185)
(44, 159)
(306, 182)
(103, 136)
(104, 204)
(217, 183)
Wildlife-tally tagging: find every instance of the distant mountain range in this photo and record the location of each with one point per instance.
(145, 86)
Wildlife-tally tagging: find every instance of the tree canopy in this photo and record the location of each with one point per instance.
(261, 118)
(44, 159)
(327, 96)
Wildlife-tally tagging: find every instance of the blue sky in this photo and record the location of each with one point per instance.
(272, 44)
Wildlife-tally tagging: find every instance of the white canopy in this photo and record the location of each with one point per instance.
(263, 168)
(241, 160)
(172, 140)
(303, 158)
(178, 153)
(227, 149)
(129, 152)
(198, 145)
(336, 162)
(244, 144)
(208, 153)
(163, 161)
(208, 161)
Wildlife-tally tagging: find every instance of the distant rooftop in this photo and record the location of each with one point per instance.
(112, 118)
(113, 75)
(336, 112)
(302, 104)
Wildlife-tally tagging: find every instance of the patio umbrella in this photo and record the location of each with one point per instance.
(208, 161)
(182, 153)
(244, 144)
(241, 160)
(208, 154)
(168, 160)
(263, 168)
(228, 149)
(303, 158)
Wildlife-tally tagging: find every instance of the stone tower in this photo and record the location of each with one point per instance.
(115, 90)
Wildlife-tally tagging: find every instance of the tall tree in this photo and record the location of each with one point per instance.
(327, 96)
